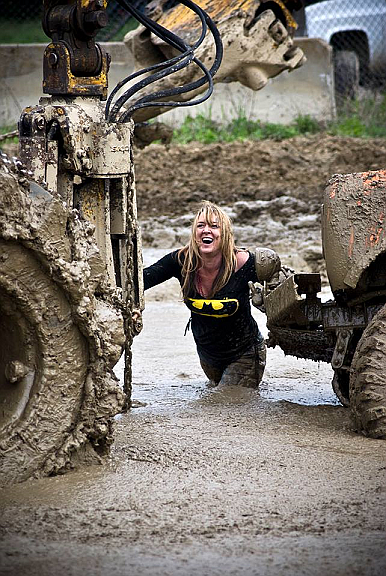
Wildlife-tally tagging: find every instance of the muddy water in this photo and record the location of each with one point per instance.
(207, 481)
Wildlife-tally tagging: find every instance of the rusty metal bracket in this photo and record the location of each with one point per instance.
(73, 63)
(285, 305)
(342, 342)
(58, 77)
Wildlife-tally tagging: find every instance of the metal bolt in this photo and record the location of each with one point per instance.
(40, 122)
(96, 20)
(67, 163)
(86, 163)
(53, 59)
(277, 31)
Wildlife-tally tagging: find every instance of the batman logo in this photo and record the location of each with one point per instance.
(214, 308)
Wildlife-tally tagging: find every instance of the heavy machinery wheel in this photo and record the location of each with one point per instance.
(341, 379)
(367, 379)
(61, 335)
(340, 385)
(346, 75)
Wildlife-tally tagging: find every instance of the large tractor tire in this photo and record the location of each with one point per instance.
(61, 335)
(340, 385)
(368, 380)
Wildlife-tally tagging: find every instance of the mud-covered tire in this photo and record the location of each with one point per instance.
(44, 363)
(340, 385)
(367, 379)
(61, 335)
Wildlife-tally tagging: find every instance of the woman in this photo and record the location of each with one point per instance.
(214, 277)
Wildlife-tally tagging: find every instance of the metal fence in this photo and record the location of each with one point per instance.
(21, 10)
(356, 31)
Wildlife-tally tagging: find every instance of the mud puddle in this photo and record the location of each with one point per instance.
(209, 482)
(167, 375)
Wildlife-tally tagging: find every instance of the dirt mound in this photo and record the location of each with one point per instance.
(171, 180)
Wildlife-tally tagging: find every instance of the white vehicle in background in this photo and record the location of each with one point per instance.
(356, 30)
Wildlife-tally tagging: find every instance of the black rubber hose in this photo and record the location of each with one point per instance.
(147, 101)
(140, 72)
(145, 82)
(164, 34)
(168, 67)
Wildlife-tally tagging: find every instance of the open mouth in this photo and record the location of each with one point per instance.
(207, 240)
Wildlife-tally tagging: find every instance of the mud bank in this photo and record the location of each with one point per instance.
(171, 179)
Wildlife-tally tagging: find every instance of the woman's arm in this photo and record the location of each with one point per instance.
(166, 268)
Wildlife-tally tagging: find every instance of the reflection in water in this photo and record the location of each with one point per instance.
(307, 387)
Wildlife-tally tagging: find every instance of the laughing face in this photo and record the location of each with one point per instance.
(208, 236)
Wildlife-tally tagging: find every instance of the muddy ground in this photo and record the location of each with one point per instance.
(205, 481)
(171, 179)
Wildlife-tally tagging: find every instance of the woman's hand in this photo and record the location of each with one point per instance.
(136, 316)
(257, 295)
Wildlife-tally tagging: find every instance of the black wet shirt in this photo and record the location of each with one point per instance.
(223, 326)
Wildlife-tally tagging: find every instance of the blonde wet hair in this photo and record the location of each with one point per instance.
(190, 258)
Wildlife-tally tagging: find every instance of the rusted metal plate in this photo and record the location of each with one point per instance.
(313, 344)
(60, 79)
(283, 305)
(183, 21)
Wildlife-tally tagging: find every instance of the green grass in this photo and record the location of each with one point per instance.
(361, 119)
(8, 130)
(203, 129)
(13, 31)
(22, 32)
(364, 118)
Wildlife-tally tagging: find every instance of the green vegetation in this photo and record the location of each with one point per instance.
(365, 118)
(6, 135)
(14, 31)
(361, 119)
(203, 129)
